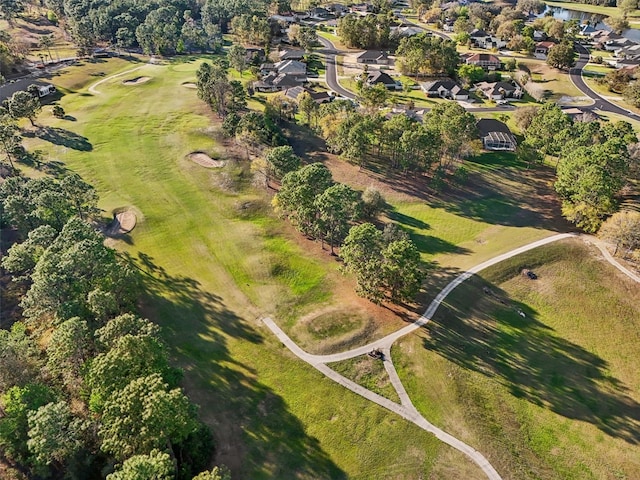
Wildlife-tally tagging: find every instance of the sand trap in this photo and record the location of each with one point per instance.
(122, 223)
(136, 81)
(190, 85)
(205, 160)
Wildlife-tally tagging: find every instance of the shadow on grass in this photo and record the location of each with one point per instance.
(60, 136)
(481, 329)
(256, 434)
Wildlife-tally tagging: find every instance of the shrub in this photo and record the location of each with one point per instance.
(58, 111)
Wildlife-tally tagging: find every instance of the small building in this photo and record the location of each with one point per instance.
(276, 82)
(375, 78)
(373, 57)
(291, 67)
(496, 135)
(319, 97)
(542, 49)
(291, 54)
(484, 60)
(44, 90)
(445, 88)
(499, 90)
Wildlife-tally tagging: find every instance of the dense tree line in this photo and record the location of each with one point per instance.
(368, 32)
(86, 387)
(594, 161)
(426, 54)
(156, 26)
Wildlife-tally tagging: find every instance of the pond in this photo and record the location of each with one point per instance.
(596, 21)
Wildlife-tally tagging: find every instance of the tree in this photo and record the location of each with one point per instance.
(627, 6)
(10, 9)
(282, 160)
(617, 24)
(523, 117)
(545, 127)
(338, 206)
(218, 473)
(156, 465)
(68, 349)
(143, 416)
(307, 106)
(237, 55)
(55, 434)
(298, 192)
(127, 324)
(23, 257)
(631, 93)
(159, 33)
(58, 111)
(16, 404)
(215, 89)
(457, 129)
(372, 202)
(588, 179)
(562, 56)
(10, 140)
(373, 97)
(471, 73)
(401, 270)
(46, 41)
(24, 105)
(361, 252)
(19, 358)
(623, 229)
(427, 54)
(129, 358)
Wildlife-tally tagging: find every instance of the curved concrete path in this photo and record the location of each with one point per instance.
(406, 409)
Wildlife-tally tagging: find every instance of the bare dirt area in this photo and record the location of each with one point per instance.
(205, 160)
(136, 81)
(123, 222)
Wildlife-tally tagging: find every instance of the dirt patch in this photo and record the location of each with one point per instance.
(205, 160)
(190, 85)
(123, 222)
(136, 81)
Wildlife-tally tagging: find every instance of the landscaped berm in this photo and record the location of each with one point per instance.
(205, 160)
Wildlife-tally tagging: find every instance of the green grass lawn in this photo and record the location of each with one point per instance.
(368, 372)
(634, 17)
(553, 395)
(215, 260)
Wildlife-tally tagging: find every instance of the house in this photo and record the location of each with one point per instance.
(337, 9)
(44, 90)
(254, 54)
(362, 9)
(539, 35)
(496, 135)
(444, 88)
(275, 82)
(499, 90)
(542, 49)
(373, 57)
(587, 30)
(484, 60)
(580, 115)
(319, 13)
(406, 31)
(375, 78)
(482, 39)
(291, 54)
(267, 68)
(291, 67)
(630, 63)
(319, 97)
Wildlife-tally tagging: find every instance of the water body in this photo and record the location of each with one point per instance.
(596, 21)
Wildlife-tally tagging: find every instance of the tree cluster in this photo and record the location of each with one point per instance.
(385, 266)
(593, 161)
(368, 32)
(426, 54)
(85, 385)
(447, 134)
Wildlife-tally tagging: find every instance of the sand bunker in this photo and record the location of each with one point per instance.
(136, 81)
(122, 223)
(190, 85)
(205, 160)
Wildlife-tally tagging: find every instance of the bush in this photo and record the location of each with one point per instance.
(52, 17)
(58, 111)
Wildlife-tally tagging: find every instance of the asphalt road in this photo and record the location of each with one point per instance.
(599, 103)
(331, 71)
